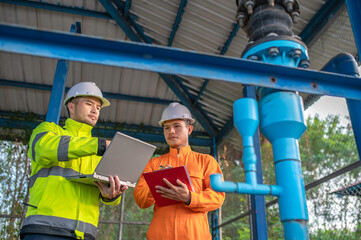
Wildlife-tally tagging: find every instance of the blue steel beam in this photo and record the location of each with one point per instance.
(72, 47)
(230, 39)
(100, 124)
(10, 120)
(223, 51)
(320, 19)
(128, 4)
(227, 128)
(131, 20)
(126, 97)
(173, 84)
(122, 23)
(177, 21)
(57, 92)
(257, 205)
(119, 19)
(354, 8)
(59, 8)
(201, 91)
(184, 95)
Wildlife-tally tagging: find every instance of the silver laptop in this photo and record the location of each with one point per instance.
(125, 157)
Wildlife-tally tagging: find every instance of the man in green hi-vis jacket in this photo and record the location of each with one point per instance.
(59, 208)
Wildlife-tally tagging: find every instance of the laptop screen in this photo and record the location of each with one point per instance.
(125, 157)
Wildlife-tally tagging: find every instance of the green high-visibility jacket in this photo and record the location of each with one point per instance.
(56, 205)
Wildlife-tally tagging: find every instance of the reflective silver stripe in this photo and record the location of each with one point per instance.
(59, 222)
(35, 140)
(54, 171)
(63, 148)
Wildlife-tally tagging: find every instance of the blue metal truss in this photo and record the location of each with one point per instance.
(120, 20)
(14, 120)
(128, 4)
(310, 31)
(320, 19)
(58, 89)
(58, 8)
(174, 61)
(119, 96)
(184, 96)
(177, 21)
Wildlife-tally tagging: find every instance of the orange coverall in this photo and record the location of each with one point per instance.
(179, 221)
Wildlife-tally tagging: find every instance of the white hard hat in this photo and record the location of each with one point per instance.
(176, 111)
(86, 89)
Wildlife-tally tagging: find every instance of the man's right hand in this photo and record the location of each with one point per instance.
(107, 143)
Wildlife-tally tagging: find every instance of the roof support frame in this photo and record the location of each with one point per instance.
(177, 21)
(183, 95)
(146, 57)
(58, 8)
(13, 122)
(319, 20)
(125, 97)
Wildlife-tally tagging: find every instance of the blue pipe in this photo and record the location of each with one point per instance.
(243, 188)
(246, 122)
(345, 63)
(282, 123)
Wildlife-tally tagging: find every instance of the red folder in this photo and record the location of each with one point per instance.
(171, 174)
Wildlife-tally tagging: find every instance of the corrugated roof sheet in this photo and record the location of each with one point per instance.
(205, 27)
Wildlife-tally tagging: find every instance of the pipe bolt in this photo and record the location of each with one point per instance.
(305, 63)
(295, 16)
(249, 6)
(271, 3)
(253, 57)
(273, 51)
(240, 18)
(296, 53)
(288, 4)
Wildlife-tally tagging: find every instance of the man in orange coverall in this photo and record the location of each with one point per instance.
(188, 219)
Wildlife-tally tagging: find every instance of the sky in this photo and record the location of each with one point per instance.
(329, 105)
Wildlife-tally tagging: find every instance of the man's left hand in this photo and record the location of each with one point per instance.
(113, 190)
(178, 193)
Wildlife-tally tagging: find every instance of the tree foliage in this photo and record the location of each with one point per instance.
(325, 147)
(14, 172)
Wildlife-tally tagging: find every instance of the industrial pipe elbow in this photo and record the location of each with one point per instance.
(218, 185)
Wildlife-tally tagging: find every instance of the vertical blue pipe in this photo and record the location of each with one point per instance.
(354, 106)
(345, 63)
(282, 123)
(258, 209)
(58, 89)
(215, 213)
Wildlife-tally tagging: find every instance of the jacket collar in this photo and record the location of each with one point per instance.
(77, 128)
(182, 152)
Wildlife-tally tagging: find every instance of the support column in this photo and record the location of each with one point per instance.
(215, 213)
(57, 92)
(354, 106)
(257, 202)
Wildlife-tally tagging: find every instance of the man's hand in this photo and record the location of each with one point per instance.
(113, 190)
(178, 193)
(107, 142)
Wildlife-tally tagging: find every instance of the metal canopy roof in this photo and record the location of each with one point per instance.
(138, 97)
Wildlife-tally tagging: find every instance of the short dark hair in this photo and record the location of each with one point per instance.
(188, 122)
(74, 100)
